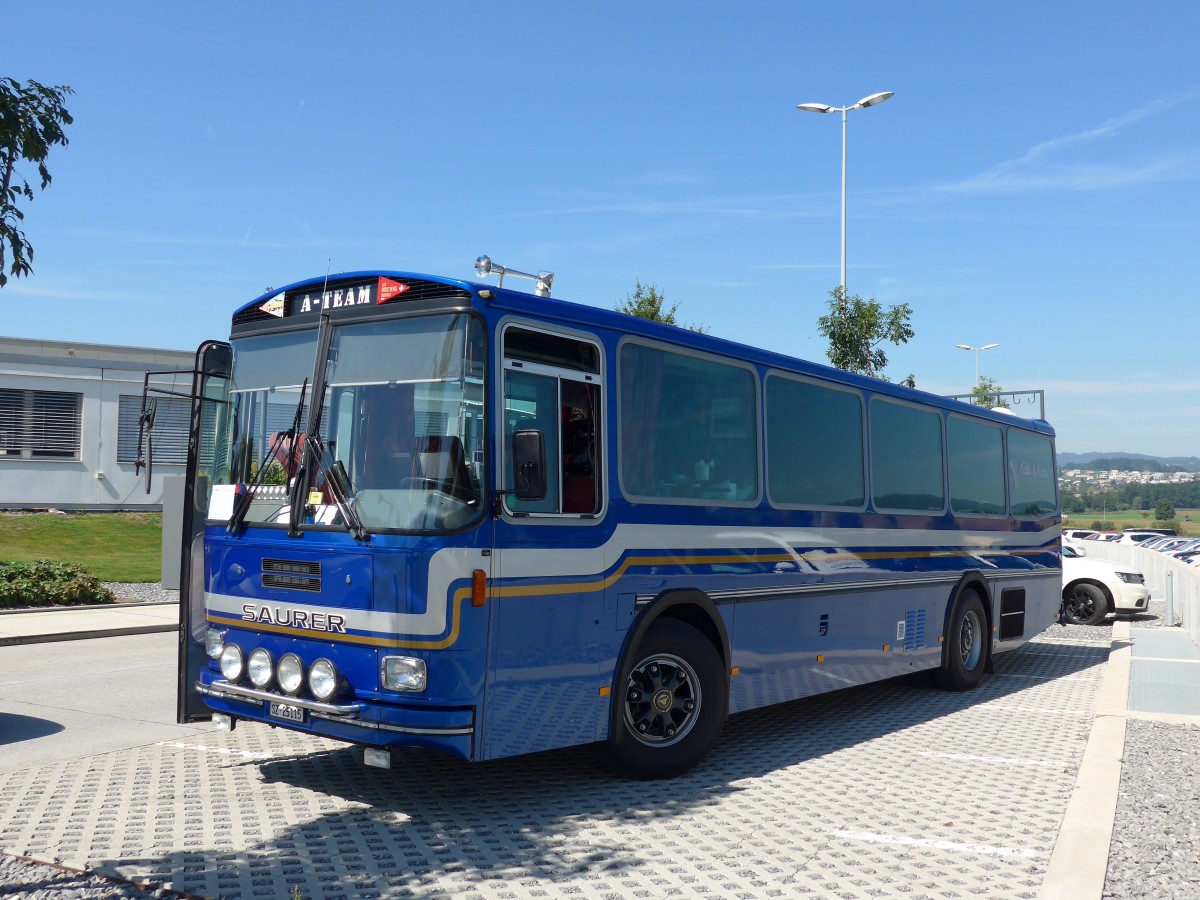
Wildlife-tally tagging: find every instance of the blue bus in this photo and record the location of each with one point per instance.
(430, 512)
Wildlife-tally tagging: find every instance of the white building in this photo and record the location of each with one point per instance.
(69, 424)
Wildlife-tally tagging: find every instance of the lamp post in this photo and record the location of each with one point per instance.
(872, 100)
(977, 350)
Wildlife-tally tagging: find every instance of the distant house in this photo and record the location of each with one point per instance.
(69, 424)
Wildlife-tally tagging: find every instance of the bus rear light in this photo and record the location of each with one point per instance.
(232, 662)
(290, 673)
(323, 679)
(404, 673)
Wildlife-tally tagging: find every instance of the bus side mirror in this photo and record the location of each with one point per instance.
(529, 464)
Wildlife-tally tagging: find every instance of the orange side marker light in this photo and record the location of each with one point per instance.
(478, 587)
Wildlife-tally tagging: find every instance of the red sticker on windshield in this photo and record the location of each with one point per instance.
(389, 289)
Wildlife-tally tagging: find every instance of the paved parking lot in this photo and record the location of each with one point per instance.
(885, 790)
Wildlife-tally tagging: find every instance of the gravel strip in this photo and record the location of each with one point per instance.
(30, 880)
(148, 592)
(1155, 849)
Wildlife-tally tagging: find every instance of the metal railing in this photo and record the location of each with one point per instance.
(1013, 400)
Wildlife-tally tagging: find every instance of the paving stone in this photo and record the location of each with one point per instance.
(889, 790)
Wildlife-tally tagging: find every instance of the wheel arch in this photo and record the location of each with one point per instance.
(971, 583)
(692, 607)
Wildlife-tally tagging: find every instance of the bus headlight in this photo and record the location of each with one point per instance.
(322, 679)
(290, 673)
(260, 668)
(214, 643)
(232, 662)
(404, 673)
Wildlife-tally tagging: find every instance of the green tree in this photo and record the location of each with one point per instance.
(648, 302)
(1163, 510)
(32, 119)
(855, 328)
(985, 394)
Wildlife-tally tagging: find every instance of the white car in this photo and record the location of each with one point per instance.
(1093, 588)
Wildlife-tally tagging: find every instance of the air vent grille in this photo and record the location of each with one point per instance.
(1012, 614)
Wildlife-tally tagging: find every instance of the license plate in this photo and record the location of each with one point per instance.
(284, 711)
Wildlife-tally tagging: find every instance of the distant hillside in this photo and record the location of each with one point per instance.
(1128, 462)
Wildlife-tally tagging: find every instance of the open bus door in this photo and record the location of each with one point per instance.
(209, 396)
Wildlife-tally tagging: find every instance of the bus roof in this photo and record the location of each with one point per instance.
(578, 314)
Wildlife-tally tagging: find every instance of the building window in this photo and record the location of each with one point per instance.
(170, 432)
(39, 424)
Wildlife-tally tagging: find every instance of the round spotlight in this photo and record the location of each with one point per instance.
(232, 662)
(322, 679)
(260, 668)
(291, 673)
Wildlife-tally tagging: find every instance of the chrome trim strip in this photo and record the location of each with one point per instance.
(448, 731)
(237, 692)
(857, 586)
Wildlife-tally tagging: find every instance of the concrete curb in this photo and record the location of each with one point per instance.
(13, 640)
(1079, 863)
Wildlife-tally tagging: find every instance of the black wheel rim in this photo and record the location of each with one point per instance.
(662, 700)
(1080, 607)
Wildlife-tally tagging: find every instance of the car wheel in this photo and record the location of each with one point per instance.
(674, 702)
(1085, 604)
(966, 646)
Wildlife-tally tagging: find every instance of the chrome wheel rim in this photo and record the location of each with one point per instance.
(970, 643)
(662, 700)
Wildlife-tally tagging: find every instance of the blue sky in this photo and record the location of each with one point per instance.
(1035, 181)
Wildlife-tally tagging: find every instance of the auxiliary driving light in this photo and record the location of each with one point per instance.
(232, 662)
(260, 668)
(214, 643)
(290, 673)
(323, 679)
(404, 673)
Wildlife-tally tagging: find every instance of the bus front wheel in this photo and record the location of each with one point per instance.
(673, 704)
(966, 646)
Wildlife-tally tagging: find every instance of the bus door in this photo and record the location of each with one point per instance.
(549, 629)
(210, 392)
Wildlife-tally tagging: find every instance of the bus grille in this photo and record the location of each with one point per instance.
(291, 575)
(914, 629)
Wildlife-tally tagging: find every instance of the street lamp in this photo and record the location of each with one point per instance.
(873, 100)
(977, 350)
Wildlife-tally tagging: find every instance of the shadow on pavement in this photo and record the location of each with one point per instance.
(433, 823)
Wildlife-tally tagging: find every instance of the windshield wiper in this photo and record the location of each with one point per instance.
(241, 505)
(316, 454)
(337, 483)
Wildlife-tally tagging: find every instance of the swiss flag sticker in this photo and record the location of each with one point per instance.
(389, 289)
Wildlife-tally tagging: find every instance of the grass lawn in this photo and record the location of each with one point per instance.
(1134, 519)
(112, 546)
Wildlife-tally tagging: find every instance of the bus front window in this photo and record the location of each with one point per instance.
(401, 423)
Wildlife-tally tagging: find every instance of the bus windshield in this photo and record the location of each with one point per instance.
(401, 424)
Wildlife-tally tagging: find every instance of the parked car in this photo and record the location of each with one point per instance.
(1093, 588)
(1138, 537)
(1103, 536)
(1078, 534)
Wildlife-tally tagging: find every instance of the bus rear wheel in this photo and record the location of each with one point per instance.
(674, 702)
(966, 646)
